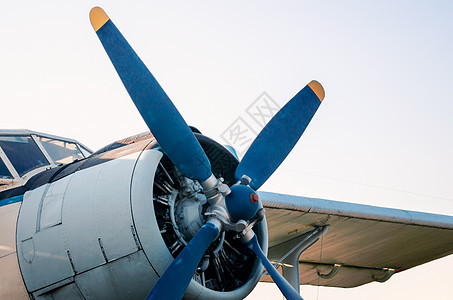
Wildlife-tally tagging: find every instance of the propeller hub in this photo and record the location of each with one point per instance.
(242, 203)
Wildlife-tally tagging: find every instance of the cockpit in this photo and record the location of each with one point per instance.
(25, 153)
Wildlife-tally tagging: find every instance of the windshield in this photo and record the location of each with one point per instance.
(4, 172)
(23, 153)
(60, 151)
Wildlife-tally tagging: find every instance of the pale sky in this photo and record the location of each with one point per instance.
(382, 136)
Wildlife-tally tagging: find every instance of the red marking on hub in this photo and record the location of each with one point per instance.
(254, 198)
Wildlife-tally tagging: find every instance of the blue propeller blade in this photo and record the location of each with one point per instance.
(286, 289)
(176, 278)
(279, 136)
(156, 109)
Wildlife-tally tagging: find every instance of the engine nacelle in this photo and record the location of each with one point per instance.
(109, 226)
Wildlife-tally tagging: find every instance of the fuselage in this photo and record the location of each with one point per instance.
(12, 285)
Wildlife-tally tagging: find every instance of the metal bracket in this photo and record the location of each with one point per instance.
(290, 260)
(332, 273)
(387, 275)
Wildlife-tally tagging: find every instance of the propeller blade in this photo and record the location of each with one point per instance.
(287, 290)
(279, 136)
(176, 278)
(155, 107)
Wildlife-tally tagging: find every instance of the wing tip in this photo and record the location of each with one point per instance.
(98, 18)
(317, 88)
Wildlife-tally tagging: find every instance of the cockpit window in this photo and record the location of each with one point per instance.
(4, 172)
(60, 151)
(23, 153)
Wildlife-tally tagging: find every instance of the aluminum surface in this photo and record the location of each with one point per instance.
(364, 239)
(11, 283)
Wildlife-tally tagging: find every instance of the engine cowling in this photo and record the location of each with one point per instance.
(108, 227)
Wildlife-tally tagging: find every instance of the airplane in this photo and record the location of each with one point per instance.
(150, 215)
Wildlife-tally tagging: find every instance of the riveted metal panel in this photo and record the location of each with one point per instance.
(52, 201)
(47, 290)
(70, 291)
(97, 215)
(28, 215)
(50, 262)
(129, 277)
(113, 208)
(78, 221)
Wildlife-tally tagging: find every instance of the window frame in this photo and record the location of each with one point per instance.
(6, 182)
(17, 180)
(8, 165)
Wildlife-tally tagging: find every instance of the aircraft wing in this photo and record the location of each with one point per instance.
(367, 243)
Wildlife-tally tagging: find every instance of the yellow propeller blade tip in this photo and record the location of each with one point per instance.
(317, 88)
(98, 17)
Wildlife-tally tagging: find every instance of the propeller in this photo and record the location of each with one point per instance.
(284, 286)
(236, 208)
(176, 278)
(280, 135)
(156, 109)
